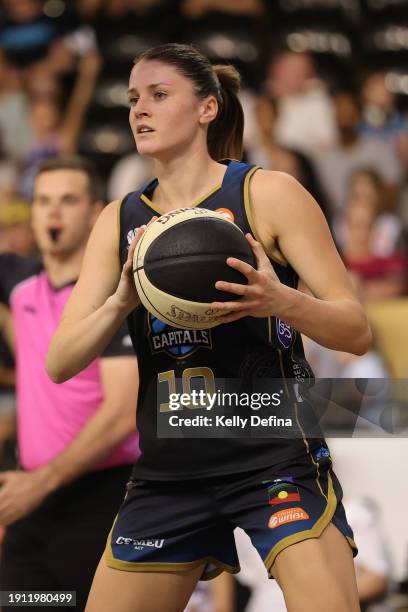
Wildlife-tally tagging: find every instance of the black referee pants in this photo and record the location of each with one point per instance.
(57, 547)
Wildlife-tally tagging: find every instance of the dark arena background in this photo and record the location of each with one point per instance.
(325, 97)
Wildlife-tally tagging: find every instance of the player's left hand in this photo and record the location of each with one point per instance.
(261, 297)
(20, 493)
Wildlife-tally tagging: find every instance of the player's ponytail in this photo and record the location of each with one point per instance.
(225, 133)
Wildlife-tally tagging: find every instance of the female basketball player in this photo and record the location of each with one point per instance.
(186, 496)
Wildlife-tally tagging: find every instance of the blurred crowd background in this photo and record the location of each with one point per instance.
(325, 94)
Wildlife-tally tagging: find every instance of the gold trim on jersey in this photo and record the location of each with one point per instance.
(250, 218)
(306, 442)
(304, 438)
(147, 200)
(314, 532)
(282, 369)
(351, 542)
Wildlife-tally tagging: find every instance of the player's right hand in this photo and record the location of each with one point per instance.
(126, 294)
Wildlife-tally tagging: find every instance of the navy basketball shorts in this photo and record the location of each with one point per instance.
(177, 526)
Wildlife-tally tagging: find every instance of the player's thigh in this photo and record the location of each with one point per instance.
(124, 591)
(317, 574)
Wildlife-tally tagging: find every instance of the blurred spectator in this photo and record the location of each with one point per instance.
(387, 233)
(30, 37)
(381, 118)
(8, 174)
(228, 30)
(366, 185)
(56, 131)
(89, 9)
(137, 24)
(304, 111)
(369, 240)
(15, 130)
(196, 9)
(354, 152)
(16, 235)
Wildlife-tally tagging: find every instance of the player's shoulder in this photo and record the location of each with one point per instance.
(282, 201)
(104, 237)
(107, 220)
(110, 209)
(266, 181)
(278, 191)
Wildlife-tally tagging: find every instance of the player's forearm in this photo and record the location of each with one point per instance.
(96, 441)
(77, 343)
(336, 324)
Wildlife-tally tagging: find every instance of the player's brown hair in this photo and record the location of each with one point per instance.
(225, 133)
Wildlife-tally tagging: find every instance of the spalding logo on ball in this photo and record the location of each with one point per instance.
(178, 261)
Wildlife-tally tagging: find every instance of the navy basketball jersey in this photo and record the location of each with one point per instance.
(245, 349)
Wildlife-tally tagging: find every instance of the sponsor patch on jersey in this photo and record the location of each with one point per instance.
(227, 213)
(301, 371)
(285, 333)
(289, 515)
(176, 342)
(322, 452)
(131, 234)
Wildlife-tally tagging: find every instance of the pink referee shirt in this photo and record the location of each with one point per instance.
(50, 416)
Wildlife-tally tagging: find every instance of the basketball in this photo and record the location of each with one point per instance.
(178, 260)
